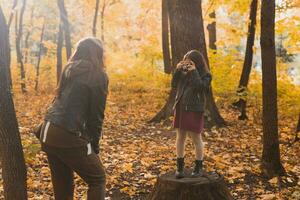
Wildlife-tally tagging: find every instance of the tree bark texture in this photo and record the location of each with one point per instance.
(59, 47)
(11, 152)
(271, 164)
(66, 26)
(102, 19)
(208, 187)
(165, 38)
(11, 16)
(244, 79)
(19, 34)
(212, 31)
(167, 109)
(39, 58)
(95, 18)
(29, 30)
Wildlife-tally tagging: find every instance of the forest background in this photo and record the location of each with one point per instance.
(134, 151)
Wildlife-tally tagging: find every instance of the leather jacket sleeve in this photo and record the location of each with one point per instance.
(96, 113)
(175, 78)
(201, 82)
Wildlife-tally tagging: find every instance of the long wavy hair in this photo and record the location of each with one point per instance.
(199, 60)
(87, 49)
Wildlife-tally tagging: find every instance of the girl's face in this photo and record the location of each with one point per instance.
(188, 61)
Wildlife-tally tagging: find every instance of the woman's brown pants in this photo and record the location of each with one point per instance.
(67, 154)
(88, 167)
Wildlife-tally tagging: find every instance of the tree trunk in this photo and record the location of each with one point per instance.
(214, 117)
(242, 89)
(95, 18)
(167, 109)
(187, 33)
(11, 16)
(39, 58)
(271, 165)
(66, 26)
(165, 38)
(28, 35)
(59, 52)
(208, 187)
(102, 19)
(212, 32)
(18, 47)
(11, 152)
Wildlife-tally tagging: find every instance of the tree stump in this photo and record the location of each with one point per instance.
(210, 186)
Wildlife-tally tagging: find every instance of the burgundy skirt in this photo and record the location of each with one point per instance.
(188, 120)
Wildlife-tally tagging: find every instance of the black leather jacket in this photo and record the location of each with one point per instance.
(80, 106)
(191, 89)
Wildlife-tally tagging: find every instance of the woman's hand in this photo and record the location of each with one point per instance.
(180, 65)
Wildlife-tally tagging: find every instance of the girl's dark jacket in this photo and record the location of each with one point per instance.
(191, 89)
(80, 106)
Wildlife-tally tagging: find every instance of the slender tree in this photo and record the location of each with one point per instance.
(66, 26)
(59, 46)
(19, 34)
(271, 164)
(166, 38)
(102, 14)
(28, 33)
(39, 58)
(244, 79)
(11, 152)
(95, 18)
(11, 16)
(212, 31)
(187, 32)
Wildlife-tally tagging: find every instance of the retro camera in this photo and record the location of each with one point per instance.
(185, 66)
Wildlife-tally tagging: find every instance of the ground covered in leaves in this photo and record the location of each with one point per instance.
(135, 152)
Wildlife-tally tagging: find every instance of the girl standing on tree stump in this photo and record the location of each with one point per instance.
(191, 80)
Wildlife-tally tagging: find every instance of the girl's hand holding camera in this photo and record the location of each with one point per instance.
(191, 66)
(186, 66)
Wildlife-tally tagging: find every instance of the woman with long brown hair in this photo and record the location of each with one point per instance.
(192, 80)
(73, 123)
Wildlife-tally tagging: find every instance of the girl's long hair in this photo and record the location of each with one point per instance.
(199, 60)
(88, 49)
